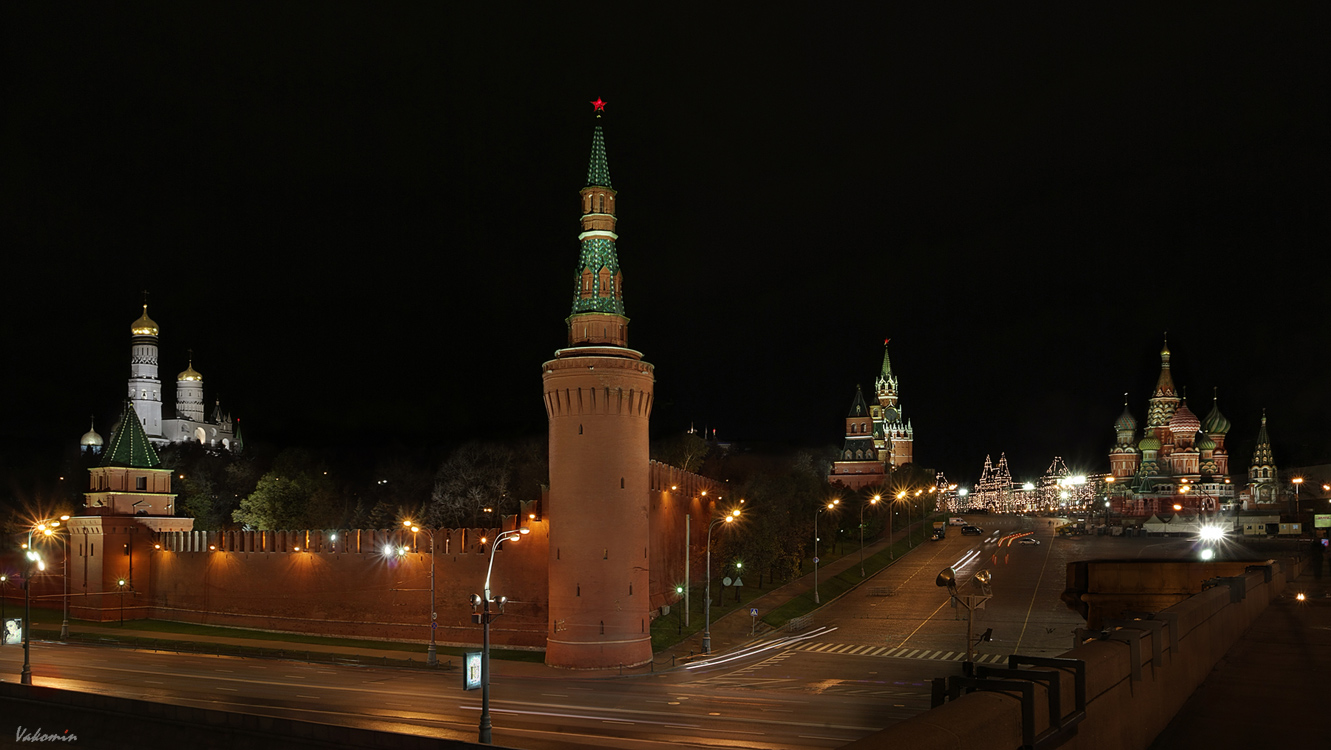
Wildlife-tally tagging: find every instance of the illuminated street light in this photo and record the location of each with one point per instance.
(830, 506)
(707, 606)
(872, 501)
(431, 655)
(481, 613)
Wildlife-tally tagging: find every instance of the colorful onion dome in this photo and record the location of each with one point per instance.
(1215, 422)
(1205, 443)
(1184, 422)
(1126, 422)
(1149, 443)
(144, 326)
(90, 437)
(190, 373)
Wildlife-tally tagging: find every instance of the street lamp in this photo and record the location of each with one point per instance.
(431, 657)
(679, 615)
(830, 506)
(1298, 482)
(45, 528)
(484, 616)
(891, 554)
(121, 585)
(707, 606)
(872, 501)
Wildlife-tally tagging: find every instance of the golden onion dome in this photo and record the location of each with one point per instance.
(144, 326)
(190, 373)
(90, 437)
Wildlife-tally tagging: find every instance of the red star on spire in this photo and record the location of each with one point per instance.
(885, 341)
(598, 105)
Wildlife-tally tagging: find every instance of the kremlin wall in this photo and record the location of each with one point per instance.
(342, 583)
(609, 540)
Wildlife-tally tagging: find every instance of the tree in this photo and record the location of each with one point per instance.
(686, 451)
(295, 494)
(476, 477)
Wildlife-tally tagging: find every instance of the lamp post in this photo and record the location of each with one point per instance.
(872, 501)
(484, 616)
(679, 616)
(431, 656)
(4, 594)
(121, 585)
(829, 506)
(1298, 482)
(891, 554)
(44, 528)
(707, 606)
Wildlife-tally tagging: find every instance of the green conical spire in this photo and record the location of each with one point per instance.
(887, 361)
(598, 170)
(129, 445)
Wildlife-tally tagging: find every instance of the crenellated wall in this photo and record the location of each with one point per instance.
(344, 582)
(677, 495)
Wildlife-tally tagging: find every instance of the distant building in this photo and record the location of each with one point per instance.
(91, 442)
(145, 393)
(1180, 460)
(893, 436)
(875, 433)
(860, 464)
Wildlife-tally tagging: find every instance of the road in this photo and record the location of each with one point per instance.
(864, 667)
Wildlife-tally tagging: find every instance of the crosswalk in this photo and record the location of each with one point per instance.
(888, 652)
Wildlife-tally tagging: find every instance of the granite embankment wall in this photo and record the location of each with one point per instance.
(53, 717)
(1125, 707)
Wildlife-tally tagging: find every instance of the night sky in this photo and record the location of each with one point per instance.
(363, 218)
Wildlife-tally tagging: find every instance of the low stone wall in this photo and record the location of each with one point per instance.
(1125, 708)
(63, 717)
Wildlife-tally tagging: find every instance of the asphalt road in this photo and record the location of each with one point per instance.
(864, 666)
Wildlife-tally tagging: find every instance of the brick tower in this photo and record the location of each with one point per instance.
(598, 397)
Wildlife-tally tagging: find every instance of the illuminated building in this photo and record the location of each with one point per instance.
(860, 463)
(893, 437)
(145, 393)
(1180, 459)
(598, 398)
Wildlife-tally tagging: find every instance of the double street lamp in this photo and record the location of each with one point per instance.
(830, 506)
(707, 606)
(481, 613)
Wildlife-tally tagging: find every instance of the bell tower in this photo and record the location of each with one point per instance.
(598, 399)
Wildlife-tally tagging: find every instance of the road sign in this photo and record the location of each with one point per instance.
(434, 626)
(739, 581)
(815, 560)
(725, 581)
(753, 612)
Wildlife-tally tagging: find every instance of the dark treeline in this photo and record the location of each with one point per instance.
(474, 484)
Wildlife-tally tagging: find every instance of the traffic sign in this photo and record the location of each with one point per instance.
(725, 581)
(815, 560)
(753, 612)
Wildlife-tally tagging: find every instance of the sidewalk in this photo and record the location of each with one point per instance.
(1269, 689)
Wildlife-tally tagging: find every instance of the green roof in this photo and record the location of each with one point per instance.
(598, 253)
(129, 445)
(598, 171)
(857, 407)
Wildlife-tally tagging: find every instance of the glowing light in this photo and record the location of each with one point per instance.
(1208, 553)
(1212, 532)
(598, 105)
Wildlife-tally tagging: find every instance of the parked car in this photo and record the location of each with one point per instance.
(971, 530)
(1028, 541)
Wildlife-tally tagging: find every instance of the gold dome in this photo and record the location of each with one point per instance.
(144, 326)
(190, 373)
